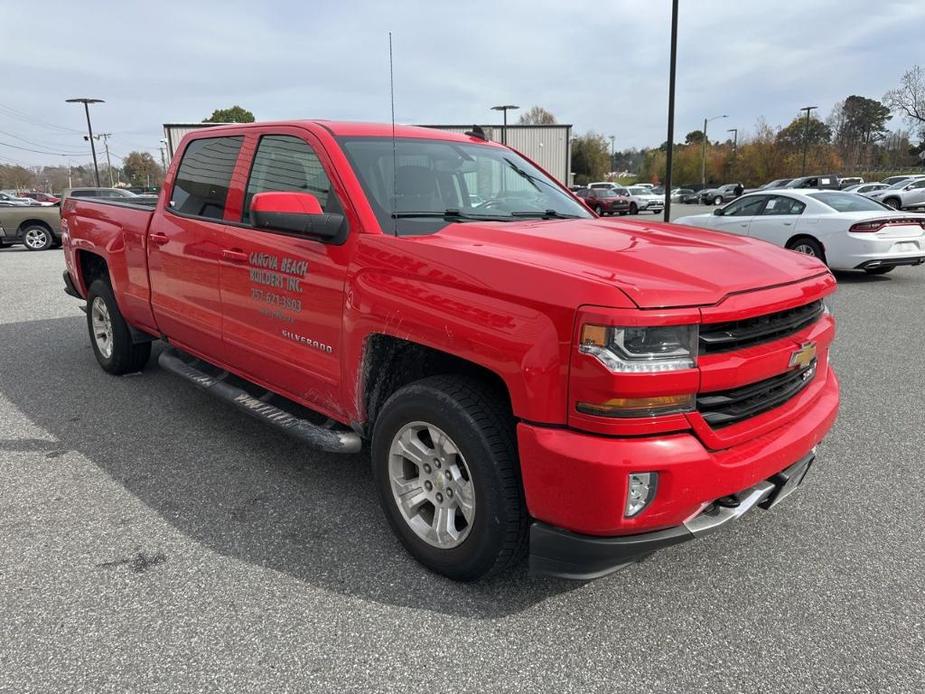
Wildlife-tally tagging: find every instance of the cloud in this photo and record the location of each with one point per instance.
(599, 65)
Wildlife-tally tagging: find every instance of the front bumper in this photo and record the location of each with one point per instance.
(557, 552)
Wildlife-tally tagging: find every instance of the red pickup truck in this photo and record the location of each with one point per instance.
(530, 378)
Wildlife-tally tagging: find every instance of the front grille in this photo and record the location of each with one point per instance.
(722, 337)
(721, 408)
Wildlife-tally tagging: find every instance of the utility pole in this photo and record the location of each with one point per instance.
(703, 151)
(612, 167)
(105, 137)
(735, 149)
(671, 79)
(504, 109)
(86, 102)
(808, 110)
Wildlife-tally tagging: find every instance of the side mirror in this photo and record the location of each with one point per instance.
(718, 212)
(297, 213)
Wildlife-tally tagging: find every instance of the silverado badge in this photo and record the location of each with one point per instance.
(804, 356)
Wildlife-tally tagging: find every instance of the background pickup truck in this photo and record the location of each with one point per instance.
(530, 378)
(38, 228)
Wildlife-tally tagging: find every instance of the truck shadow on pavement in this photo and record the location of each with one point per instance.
(227, 481)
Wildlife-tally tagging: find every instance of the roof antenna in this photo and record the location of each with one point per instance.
(394, 146)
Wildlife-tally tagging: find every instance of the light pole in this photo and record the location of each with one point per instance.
(86, 102)
(504, 109)
(612, 138)
(808, 110)
(735, 149)
(671, 77)
(703, 150)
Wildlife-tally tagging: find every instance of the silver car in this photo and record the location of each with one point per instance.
(906, 194)
(642, 199)
(865, 188)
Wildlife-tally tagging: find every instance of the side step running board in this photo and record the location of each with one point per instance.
(330, 440)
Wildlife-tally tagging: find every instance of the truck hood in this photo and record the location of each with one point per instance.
(656, 265)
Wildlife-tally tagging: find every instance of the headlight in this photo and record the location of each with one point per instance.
(641, 350)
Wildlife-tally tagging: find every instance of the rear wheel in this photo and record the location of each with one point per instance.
(37, 238)
(599, 211)
(717, 200)
(882, 270)
(633, 208)
(807, 246)
(444, 460)
(109, 334)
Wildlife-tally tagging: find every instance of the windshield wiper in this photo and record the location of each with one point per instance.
(547, 214)
(452, 214)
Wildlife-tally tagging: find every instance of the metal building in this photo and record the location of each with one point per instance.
(550, 146)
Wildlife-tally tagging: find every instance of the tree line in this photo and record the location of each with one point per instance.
(852, 140)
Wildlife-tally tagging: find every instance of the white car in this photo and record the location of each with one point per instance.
(845, 230)
(907, 193)
(642, 199)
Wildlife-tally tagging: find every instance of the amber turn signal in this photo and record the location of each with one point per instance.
(640, 407)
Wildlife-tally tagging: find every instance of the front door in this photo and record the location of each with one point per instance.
(283, 294)
(738, 215)
(184, 248)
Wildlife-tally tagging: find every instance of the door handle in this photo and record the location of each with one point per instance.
(234, 255)
(158, 239)
(787, 224)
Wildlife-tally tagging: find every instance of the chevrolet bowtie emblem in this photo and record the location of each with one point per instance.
(804, 356)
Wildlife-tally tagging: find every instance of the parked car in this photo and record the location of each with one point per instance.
(865, 188)
(532, 387)
(642, 199)
(829, 182)
(690, 198)
(905, 194)
(605, 201)
(37, 227)
(892, 180)
(11, 199)
(846, 231)
(678, 194)
(717, 196)
(849, 181)
(41, 198)
(776, 183)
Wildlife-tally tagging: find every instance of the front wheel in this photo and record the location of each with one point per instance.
(633, 208)
(37, 238)
(444, 460)
(109, 334)
(895, 203)
(717, 200)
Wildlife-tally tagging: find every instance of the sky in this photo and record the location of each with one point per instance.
(600, 65)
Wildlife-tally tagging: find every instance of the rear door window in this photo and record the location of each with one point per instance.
(778, 204)
(204, 176)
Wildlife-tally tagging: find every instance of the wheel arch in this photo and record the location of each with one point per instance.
(390, 363)
(26, 223)
(803, 235)
(90, 267)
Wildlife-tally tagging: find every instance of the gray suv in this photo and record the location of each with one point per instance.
(902, 195)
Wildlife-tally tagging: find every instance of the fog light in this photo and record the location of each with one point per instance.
(640, 491)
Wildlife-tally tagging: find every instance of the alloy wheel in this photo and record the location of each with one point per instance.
(431, 485)
(102, 327)
(36, 238)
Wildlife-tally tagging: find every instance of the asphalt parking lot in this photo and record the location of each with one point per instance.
(154, 539)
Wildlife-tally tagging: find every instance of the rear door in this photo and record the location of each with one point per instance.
(778, 220)
(283, 293)
(184, 246)
(737, 216)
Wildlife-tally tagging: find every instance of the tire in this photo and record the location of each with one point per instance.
(481, 431)
(807, 246)
(634, 209)
(37, 238)
(882, 270)
(895, 203)
(717, 201)
(598, 211)
(109, 334)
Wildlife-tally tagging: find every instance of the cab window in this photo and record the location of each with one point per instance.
(203, 178)
(288, 164)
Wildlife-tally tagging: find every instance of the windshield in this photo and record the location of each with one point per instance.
(849, 202)
(901, 184)
(439, 182)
